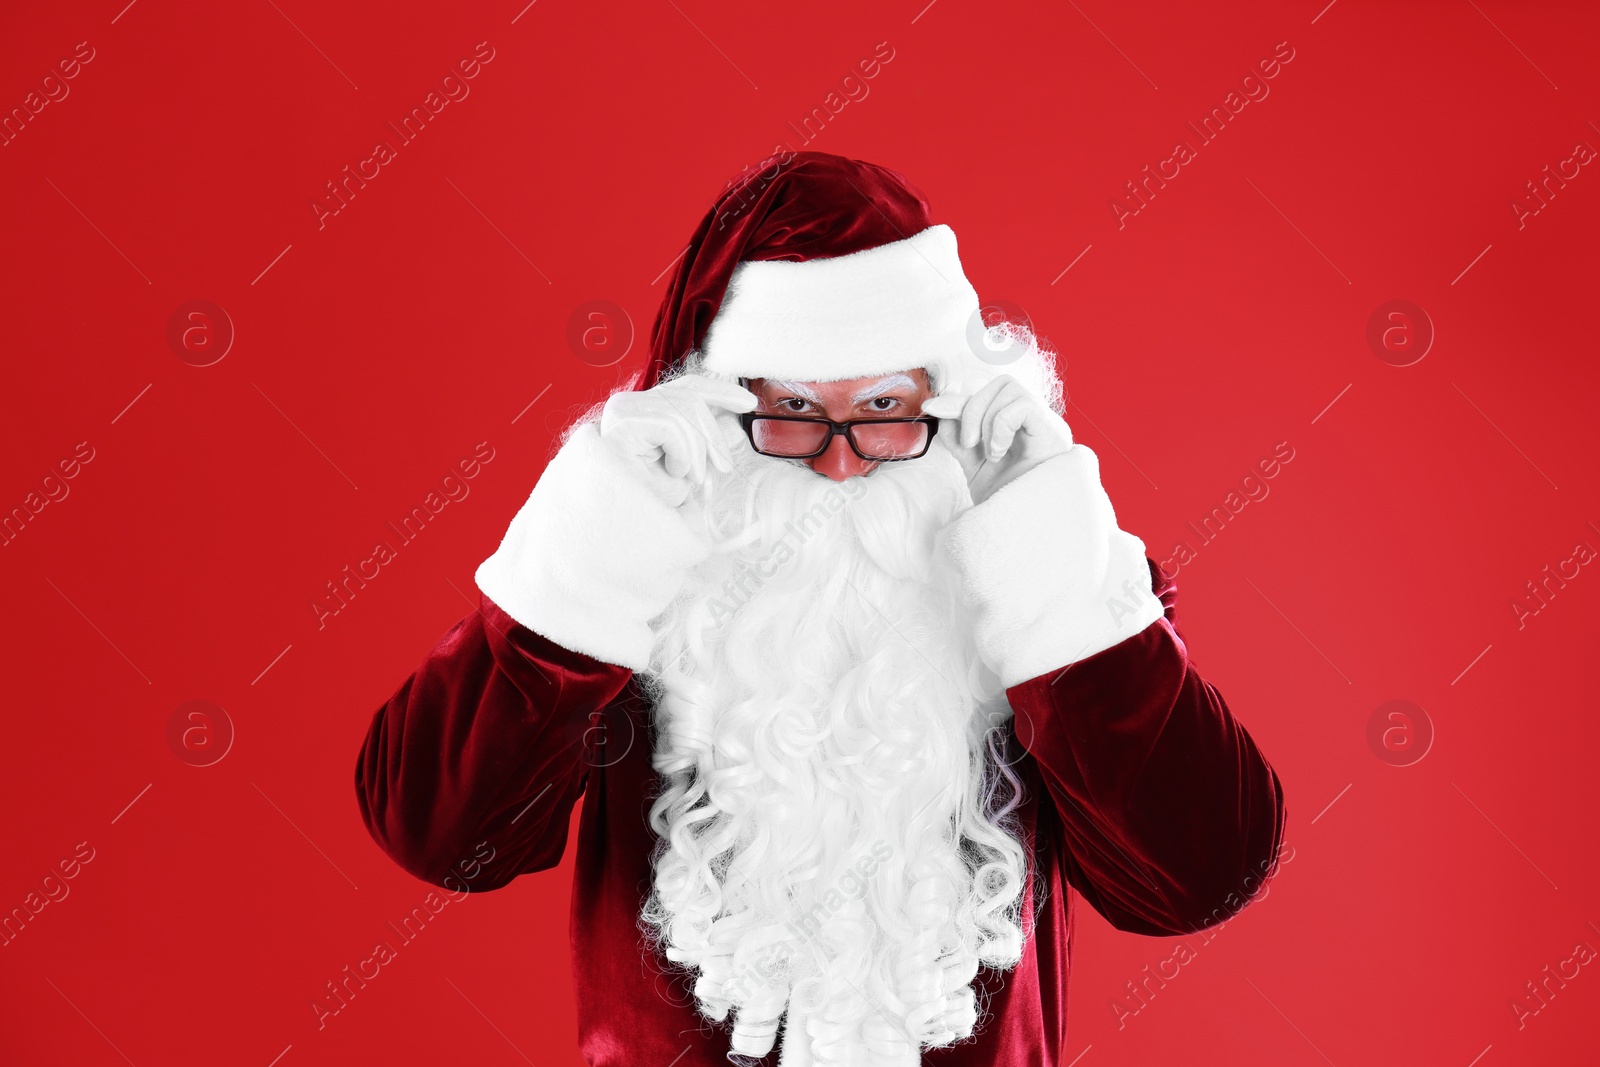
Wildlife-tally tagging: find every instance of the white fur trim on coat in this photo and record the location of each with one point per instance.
(1052, 578)
(593, 555)
(897, 306)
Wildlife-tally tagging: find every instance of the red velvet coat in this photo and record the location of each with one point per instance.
(1143, 794)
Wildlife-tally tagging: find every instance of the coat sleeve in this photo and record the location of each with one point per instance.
(471, 769)
(1171, 815)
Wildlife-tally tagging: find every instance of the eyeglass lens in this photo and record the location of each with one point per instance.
(878, 440)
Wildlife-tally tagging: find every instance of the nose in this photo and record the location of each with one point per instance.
(839, 461)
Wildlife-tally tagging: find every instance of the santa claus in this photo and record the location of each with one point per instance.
(831, 623)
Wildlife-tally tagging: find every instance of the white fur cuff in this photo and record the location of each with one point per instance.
(1052, 578)
(593, 555)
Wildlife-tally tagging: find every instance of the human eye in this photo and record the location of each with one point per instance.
(888, 403)
(801, 405)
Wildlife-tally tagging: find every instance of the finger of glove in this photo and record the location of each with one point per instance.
(696, 422)
(674, 491)
(946, 405)
(680, 396)
(644, 423)
(638, 421)
(652, 435)
(727, 396)
(974, 418)
(717, 401)
(685, 398)
(684, 454)
(714, 432)
(639, 431)
(1007, 421)
(1011, 391)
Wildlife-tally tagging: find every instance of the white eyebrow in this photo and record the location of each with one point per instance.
(894, 381)
(800, 389)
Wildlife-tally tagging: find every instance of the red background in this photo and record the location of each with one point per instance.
(374, 352)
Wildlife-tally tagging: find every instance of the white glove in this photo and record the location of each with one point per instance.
(601, 546)
(1001, 433)
(1050, 575)
(675, 428)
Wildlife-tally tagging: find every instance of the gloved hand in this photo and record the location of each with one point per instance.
(675, 428)
(602, 546)
(1001, 432)
(1051, 577)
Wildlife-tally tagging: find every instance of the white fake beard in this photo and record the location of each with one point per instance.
(835, 827)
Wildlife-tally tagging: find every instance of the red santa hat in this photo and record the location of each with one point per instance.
(814, 267)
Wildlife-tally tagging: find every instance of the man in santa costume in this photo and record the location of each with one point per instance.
(831, 624)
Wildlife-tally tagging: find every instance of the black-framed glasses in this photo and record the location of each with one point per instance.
(803, 437)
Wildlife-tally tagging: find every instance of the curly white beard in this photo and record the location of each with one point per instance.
(836, 829)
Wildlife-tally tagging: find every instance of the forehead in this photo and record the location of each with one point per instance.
(856, 389)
